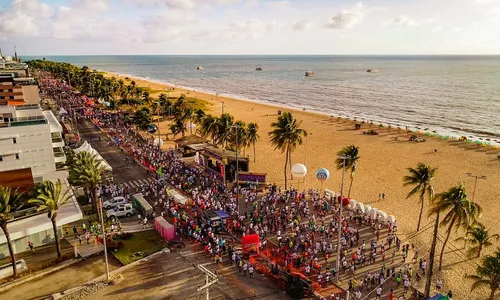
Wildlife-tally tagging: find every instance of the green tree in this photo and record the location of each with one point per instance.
(352, 154)
(142, 118)
(420, 178)
(224, 130)
(10, 202)
(49, 197)
(479, 237)
(285, 136)
(459, 212)
(488, 274)
(86, 171)
(209, 127)
(178, 127)
(253, 136)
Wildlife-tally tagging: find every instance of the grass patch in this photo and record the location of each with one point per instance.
(152, 91)
(196, 103)
(139, 245)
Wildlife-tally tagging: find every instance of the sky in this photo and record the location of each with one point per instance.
(120, 27)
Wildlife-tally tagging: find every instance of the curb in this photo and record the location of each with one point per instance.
(15, 283)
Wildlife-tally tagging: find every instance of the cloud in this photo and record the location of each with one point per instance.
(252, 29)
(17, 23)
(485, 1)
(278, 4)
(301, 25)
(402, 20)
(180, 4)
(92, 5)
(250, 3)
(437, 28)
(348, 18)
(32, 7)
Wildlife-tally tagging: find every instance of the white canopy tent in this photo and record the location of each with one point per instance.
(86, 147)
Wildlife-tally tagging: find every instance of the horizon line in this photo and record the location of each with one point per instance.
(440, 54)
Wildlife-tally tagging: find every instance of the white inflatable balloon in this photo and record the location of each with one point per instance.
(299, 171)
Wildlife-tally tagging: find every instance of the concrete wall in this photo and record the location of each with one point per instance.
(34, 146)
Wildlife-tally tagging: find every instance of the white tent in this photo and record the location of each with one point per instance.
(352, 204)
(86, 147)
(360, 206)
(62, 111)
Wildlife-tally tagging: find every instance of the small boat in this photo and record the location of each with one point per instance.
(200, 68)
(372, 70)
(258, 69)
(310, 74)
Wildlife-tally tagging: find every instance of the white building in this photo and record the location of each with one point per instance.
(31, 138)
(31, 147)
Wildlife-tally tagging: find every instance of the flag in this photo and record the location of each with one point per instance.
(160, 171)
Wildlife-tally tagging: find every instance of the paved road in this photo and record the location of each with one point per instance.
(123, 171)
(66, 278)
(173, 276)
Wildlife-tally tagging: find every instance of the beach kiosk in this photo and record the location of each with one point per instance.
(141, 205)
(189, 145)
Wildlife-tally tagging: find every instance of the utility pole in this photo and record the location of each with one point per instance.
(339, 234)
(211, 279)
(432, 253)
(158, 115)
(104, 240)
(475, 182)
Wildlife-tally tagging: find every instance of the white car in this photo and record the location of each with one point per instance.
(112, 203)
(122, 210)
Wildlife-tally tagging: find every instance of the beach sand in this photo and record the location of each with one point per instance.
(383, 163)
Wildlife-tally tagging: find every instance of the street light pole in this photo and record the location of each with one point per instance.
(475, 182)
(104, 240)
(158, 116)
(237, 169)
(339, 234)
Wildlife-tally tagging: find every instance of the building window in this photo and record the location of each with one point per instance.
(17, 155)
(14, 140)
(1, 158)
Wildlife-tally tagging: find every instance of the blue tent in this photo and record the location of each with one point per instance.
(439, 296)
(222, 214)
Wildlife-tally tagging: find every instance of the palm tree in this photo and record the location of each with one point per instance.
(478, 235)
(238, 136)
(10, 202)
(488, 274)
(420, 178)
(209, 127)
(145, 97)
(142, 118)
(49, 197)
(224, 130)
(352, 154)
(286, 136)
(86, 171)
(459, 212)
(178, 127)
(253, 136)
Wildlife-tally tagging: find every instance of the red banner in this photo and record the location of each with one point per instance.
(250, 243)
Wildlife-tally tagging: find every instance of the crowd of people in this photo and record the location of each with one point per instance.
(297, 228)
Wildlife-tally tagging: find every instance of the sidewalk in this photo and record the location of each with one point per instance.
(85, 250)
(42, 254)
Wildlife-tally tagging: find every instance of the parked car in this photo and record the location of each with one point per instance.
(112, 203)
(121, 210)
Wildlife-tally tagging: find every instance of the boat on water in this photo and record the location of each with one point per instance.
(310, 74)
(372, 70)
(200, 68)
(258, 69)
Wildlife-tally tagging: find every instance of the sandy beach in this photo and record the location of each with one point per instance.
(383, 163)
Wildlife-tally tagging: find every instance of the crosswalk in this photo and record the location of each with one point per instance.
(138, 182)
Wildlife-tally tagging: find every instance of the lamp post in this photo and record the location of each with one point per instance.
(339, 234)
(104, 240)
(221, 103)
(158, 116)
(475, 182)
(236, 127)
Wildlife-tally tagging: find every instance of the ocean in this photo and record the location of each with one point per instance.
(452, 95)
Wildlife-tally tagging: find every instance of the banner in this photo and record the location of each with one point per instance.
(250, 243)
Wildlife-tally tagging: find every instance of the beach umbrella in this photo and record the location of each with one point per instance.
(152, 128)
(368, 208)
(373, 213)
(158, 141)
(382, 215)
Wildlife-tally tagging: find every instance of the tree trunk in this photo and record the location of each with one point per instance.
(350, 186)
(56, 235)
(421, 209)
(11, 251)
(480, 248)
(432, 253)
(290, 162)
(492, 293)
(286, 165)
(254, 152)
(96, 200)
(448, 232)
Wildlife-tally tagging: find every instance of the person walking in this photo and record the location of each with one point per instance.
(31, 246)
(144, 222)
(80, 239)
(379, 293)
(250, 271)
(75, 231)
(87, 237)
(245, 268)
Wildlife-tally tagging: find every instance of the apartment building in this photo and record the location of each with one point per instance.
(17, 90)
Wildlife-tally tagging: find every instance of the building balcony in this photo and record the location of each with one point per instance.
(57, 140)
(24, 121)
(59, 155)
